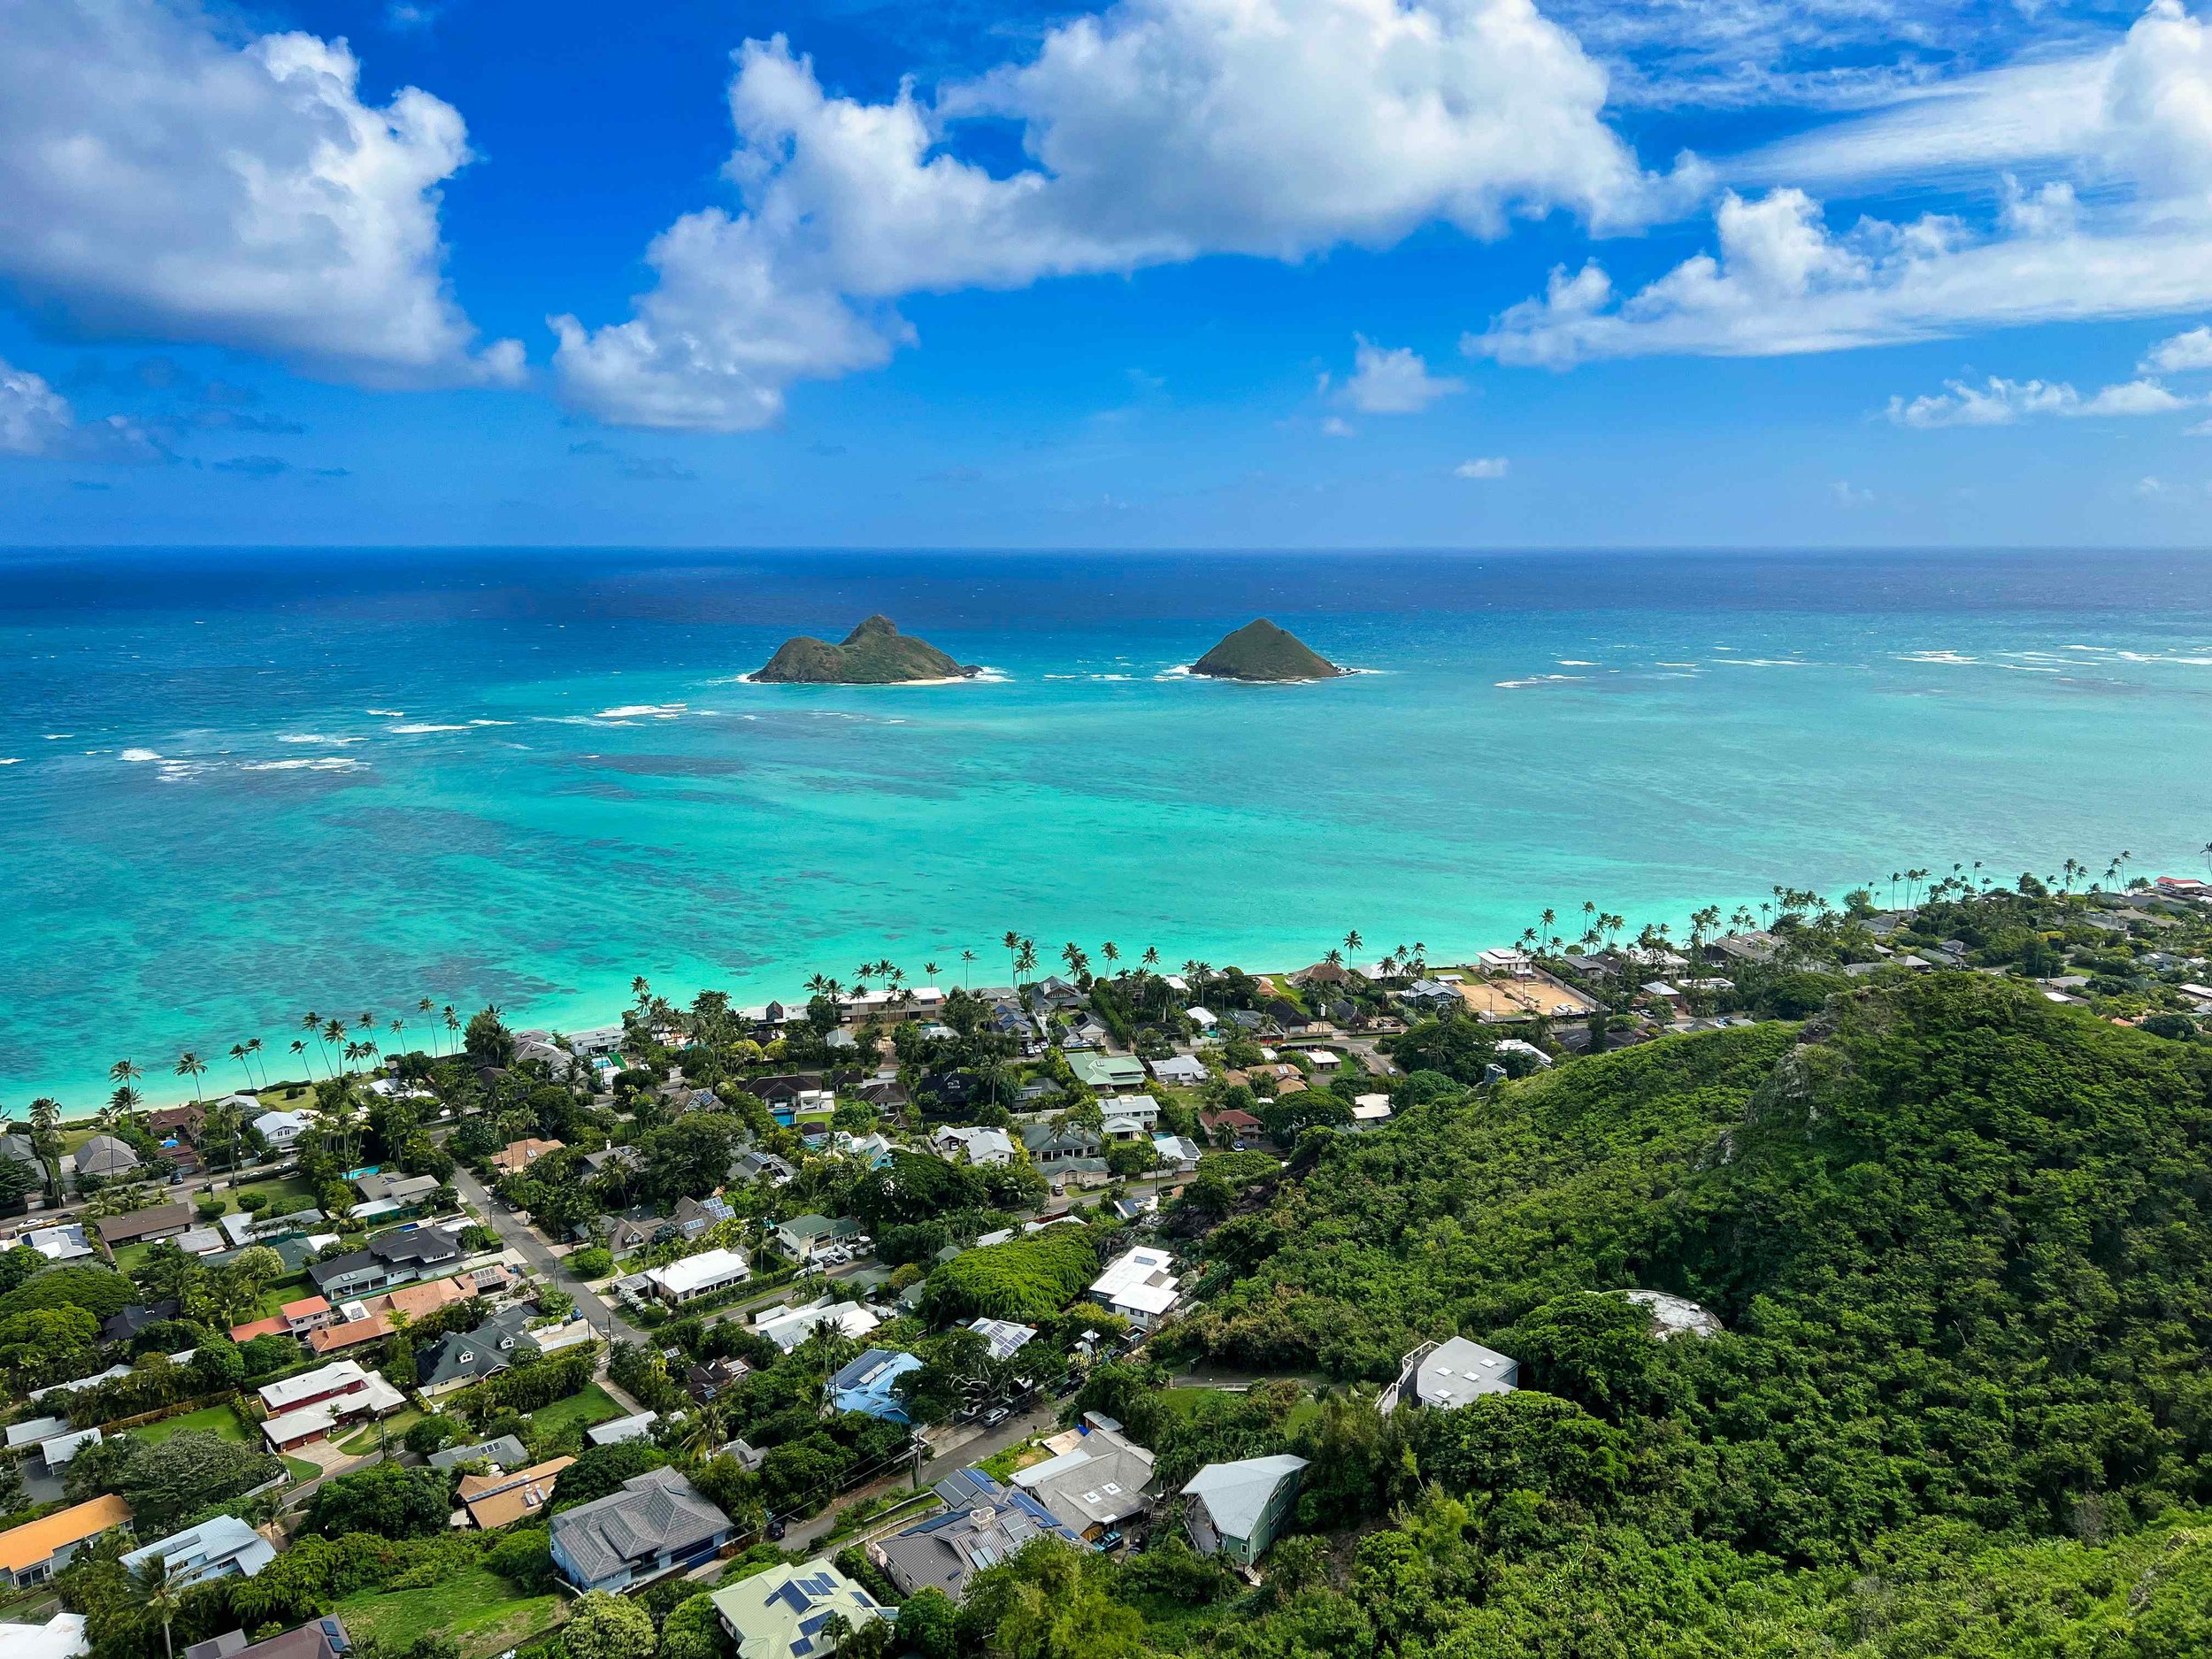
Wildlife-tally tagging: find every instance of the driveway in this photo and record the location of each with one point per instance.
(525, 1242)
(957, 1451)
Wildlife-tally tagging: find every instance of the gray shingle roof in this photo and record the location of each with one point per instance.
(656, 1513)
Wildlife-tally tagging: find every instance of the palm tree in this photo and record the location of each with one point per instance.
(46, 1141)
(1025, 961)
(311, 1023)
(333, 1033)
(1013, 943)
(124, 1075)
(966, 958)
(1112, 952)
(1353, 941)
(643, 992)
(300, 1048)
(253, 1047)
(452, 1022)
(190, 1065)
(160, 1590)
(238, 1053)
(929, 972)
(1151, 958)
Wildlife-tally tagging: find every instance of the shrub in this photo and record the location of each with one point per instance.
(593, 1262)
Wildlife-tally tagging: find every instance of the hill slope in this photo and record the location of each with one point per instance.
(873, 654)
(1259, 650)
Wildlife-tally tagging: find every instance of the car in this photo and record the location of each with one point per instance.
(775, 1528)
(995, 1416)
(1111, 1539)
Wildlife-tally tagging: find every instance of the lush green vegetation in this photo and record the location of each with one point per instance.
(1261, 650)
(873, 654)
(1029, 1278)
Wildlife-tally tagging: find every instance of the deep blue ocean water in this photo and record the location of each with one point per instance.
(241, 785)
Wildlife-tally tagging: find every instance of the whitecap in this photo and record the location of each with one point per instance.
(1536, 679)
(491, 722)
(316, 737)
(2025, 668)
(1766, 662)
(11, 760)
(1181, 670)
(390, 714)
(1678, 665)
(638, 710)
(56, 737)
(136, 755)
(1575, 661)
(419, 726)
(309, 762)
(1936, 656)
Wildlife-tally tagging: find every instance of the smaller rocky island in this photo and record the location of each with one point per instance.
(873, 654)
(1261, 651)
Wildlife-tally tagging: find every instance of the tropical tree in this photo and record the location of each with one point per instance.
(160, 1588)
(1013, 943)
(253, 1050)
(189, 1064)
(311, 1023)
(46, 1141)
(967, 958)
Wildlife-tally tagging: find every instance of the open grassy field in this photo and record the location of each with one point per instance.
(478, 1609)
(219, 1421)
(395, 1427)
(594, 1405)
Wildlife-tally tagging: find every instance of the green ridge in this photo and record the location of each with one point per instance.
(873, 654)
(1259, 650)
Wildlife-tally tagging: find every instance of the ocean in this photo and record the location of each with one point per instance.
(236, 787)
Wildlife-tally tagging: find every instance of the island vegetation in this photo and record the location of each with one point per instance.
(1261, 651)
(1854, 1258)
(873, 654)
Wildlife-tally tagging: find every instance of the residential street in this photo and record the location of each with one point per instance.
(525, 1242)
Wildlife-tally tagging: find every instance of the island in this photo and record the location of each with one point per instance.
(1261, 651)
(873, 654)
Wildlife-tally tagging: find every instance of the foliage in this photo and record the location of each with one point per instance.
(99, 1291)
(523, 1556)
(164, 1480)
(384, 1499)
(599, 1470)
(592, 1262)
(1025, 1278)
(605, 1626)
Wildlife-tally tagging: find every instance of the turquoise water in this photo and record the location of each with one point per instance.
(244, 785)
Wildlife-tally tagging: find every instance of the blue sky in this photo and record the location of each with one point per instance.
(1171, 273)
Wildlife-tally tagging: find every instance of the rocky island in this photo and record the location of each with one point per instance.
(873, 654)
(1261, 651)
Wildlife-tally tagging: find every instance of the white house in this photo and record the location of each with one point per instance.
(221, 1547)
(282, 1130)
(1129, 1117)
(787, 1327)
(986, 1147)
(705, 1274)
(1138, 1285)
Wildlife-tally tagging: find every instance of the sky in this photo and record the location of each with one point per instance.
(1213, 273)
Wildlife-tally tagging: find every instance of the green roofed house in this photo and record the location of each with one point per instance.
(785, 1613)
(1236, 1509)
(1115, 1073)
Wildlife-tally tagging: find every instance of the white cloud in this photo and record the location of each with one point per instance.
(1482, 466)
(1392, 380)
(2127, 234)
(1158, 131)
(160, 177)
(2003, 402)
(1336, 426)
(2180, 354)
(36, 421)
(1849, 494)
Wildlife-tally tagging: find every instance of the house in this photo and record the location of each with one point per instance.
(35, 1551)
(1178, 1153)
(221, 1547)
(1202, 1018)
(389, 1258)
(784, 1612)
(1431, 996)
(64, 1243)
(761, 1166)
(694, 1216)
(1097, 1484)
(1006, 1339)
(787, 1327)
(103, 1158)
(1527, 1050)
(983, 1524)
(202, 1241)
(1240, 1123)
(1236, 1509)
(707, 1274)
(633, 1231)
(802, 1236)
(657, 1524)
(1048, 1144)
(614, 1158)
(307, 1407)
(1053, 994)
(1138, 1286)
(1370, 1110)
(163, 1221)
(708, 1380)
(1757, 947)
(518, 1156)
(385, 1195)
(324, 1638)
(1181, 1071)
(500, 1500)
(243, 1229)
(280, 1132)
(867, 1386)
(125, 1326)
(461, 1357)
(1323, 1059)
(1323, 973)
(308, 1313)
(637, 1426)
(987, 1148)
(504, 1453)
(1443, 1376)
(60, 1637)
(1129, 1117)
(1107, 1073)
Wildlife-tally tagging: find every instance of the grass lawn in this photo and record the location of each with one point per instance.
(219, 1421)
(594, 1405)
(300, 1469)
(395, 1427)
(480, 1609)
(1185, 1402)
(285, 1195)
(297, 1288)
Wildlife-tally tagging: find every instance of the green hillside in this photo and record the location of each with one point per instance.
(873, 654)
(1260, 650)
(1958, 1237)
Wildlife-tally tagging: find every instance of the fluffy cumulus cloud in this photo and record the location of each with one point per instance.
(2180, 354)
(36, 421)
(1482, 466)
(2127, 231)
(1156, 131)
(1390, 380)
(2001, 402)
(161, 176)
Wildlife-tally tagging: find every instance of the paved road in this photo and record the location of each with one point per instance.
(525, 1242)
(1011, 1432)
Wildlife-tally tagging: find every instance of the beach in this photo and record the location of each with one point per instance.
(241, 790)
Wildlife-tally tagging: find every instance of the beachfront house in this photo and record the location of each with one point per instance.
(1237, 1509)
(657, 1524)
